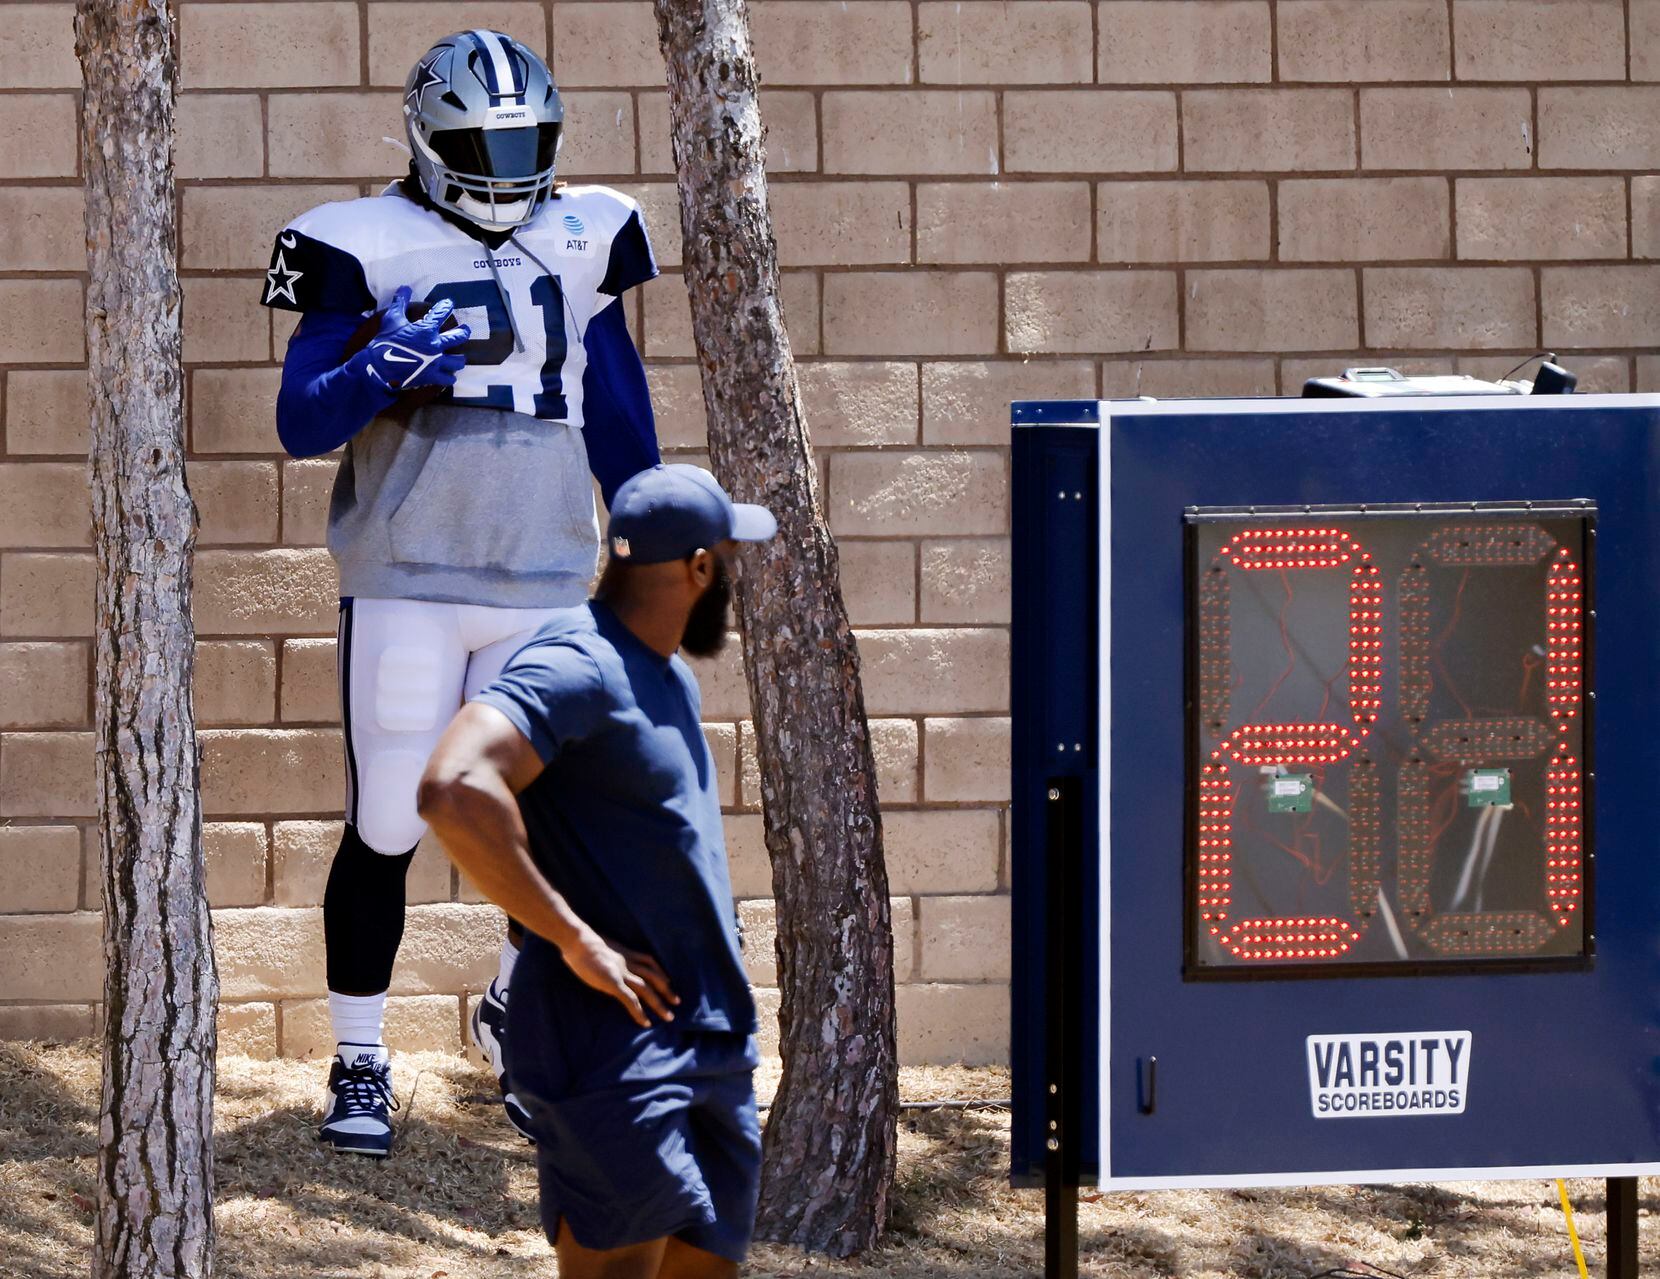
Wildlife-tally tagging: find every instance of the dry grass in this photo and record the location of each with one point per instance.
(459, 1198)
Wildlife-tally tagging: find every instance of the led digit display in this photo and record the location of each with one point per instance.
(1387, 723)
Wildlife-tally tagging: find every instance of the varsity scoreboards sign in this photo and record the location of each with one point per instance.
(1336, 773)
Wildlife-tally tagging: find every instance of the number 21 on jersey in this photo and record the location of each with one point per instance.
(495, 348)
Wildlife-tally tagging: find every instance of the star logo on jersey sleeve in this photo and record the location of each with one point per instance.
(280, 281)
(424, 77)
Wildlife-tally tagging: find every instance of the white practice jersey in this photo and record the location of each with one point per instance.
(586, 248)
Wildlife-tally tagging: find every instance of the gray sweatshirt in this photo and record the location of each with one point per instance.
(471, 506)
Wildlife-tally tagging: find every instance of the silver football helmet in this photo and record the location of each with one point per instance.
(485, 122)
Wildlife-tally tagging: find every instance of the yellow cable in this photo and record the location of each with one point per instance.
(1568, 1212)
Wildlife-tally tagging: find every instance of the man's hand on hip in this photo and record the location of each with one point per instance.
(634, 980)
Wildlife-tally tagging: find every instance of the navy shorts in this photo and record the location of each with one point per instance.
(640, 1134)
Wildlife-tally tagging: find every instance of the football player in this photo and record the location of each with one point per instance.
(463, 509)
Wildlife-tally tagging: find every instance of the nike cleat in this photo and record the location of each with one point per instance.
(356, 1117)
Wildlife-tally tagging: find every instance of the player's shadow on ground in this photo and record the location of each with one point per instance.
(48, 1136)
(437, 1177)
(942, 1192)
(40, 1117)
(961, 1153)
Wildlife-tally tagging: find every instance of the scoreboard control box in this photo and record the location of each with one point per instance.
(1336, 773)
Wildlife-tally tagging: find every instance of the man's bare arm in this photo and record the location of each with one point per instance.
(467, 796)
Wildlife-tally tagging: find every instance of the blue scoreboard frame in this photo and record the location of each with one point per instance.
(1137, 1070)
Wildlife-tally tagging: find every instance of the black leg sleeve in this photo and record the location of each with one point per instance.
(363, 915)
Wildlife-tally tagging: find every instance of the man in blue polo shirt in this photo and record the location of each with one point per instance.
(578, 793)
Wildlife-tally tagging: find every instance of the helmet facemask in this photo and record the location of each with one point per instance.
(499, 178)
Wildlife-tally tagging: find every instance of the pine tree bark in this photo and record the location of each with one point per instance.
(830, 1137)
(155, 1164)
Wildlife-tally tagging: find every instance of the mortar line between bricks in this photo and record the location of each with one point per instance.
(1452, 41)
(1181, 132)
(1094, 223)
(1359, 140)
(639, 136)
(914, 71)
(1035, 87)
(49, 1003)
(1538, 278)
(1452, 221)
(911, 191)
(921, 759)
(1536, 144)
(363, 42)
(1095, 42)
(1630, 218)
(91, 859)
(806, 178)
(1626, 14)
(1273, 41)
(390, 90)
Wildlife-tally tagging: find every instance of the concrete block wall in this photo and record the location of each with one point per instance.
(975, 202)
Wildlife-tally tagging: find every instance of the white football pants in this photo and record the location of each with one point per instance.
(406, 667)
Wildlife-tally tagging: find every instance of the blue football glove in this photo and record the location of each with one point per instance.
(407, 353)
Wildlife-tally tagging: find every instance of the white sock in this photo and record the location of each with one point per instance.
(509, 957)
(357, 1019)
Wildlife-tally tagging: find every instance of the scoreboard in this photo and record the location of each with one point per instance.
(1335, 736)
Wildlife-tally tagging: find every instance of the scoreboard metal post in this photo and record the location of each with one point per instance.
(1359, 703)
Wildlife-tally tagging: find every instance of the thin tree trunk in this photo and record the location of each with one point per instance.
(829, 1146)
(155, 1174)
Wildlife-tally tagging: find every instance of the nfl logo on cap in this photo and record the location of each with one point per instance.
(671, 512)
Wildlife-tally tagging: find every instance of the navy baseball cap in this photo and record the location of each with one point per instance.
(670, 511)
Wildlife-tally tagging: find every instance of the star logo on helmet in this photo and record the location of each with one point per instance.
(280, 281)
(425, 77)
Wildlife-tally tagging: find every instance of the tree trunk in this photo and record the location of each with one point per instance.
(155, 1159)
(829, 1146)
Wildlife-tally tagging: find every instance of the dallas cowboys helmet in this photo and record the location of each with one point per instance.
(485, 122)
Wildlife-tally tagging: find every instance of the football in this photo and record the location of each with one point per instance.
(407, 401)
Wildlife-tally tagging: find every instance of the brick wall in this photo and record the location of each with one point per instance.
(975, 201)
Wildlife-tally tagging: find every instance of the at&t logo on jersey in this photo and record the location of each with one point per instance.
(577, 241)
(1381, 1076)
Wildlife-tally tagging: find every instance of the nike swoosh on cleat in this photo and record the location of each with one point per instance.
(288, 241)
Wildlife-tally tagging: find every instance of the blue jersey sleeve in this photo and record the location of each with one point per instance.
(553, 693)
(322, 403)
(632, 262)
(618, 428)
